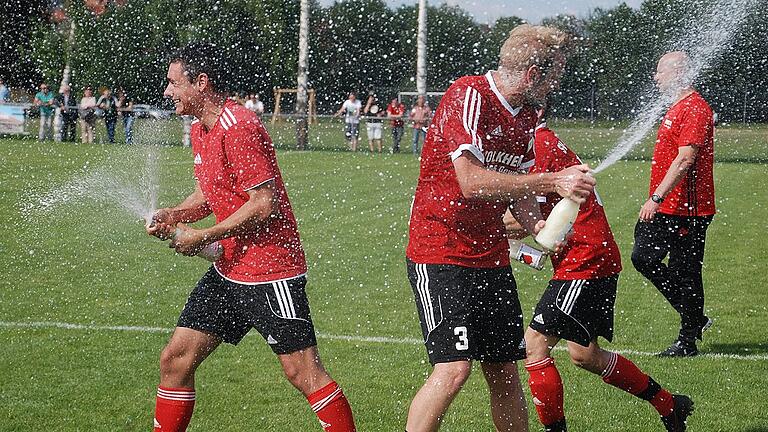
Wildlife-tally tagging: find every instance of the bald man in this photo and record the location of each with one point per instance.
(673, 221)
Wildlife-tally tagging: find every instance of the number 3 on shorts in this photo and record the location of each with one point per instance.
(463, 343)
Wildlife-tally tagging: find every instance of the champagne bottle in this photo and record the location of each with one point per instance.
(558, 224)
(527, 255)
(212, 252)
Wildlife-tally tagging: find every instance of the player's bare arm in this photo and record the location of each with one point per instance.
(686, 156)
(192, 209)
(514, 230)
(527, 213)
(260, 206)
(476, 181)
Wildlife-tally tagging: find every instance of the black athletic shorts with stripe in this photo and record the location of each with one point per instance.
(468, 313)
(577, 310)
(278, 310)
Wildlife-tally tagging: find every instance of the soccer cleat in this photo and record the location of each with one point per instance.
(558, 426)
(680, 349)
(675, 422)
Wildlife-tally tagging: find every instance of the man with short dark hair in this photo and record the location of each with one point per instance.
(395, 111)
(259, 278)
(45, 104)
(351, 108)
(674, 219)
(68, 107)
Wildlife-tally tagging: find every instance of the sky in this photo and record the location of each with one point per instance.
(487, 11)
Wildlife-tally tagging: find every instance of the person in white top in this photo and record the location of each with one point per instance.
(87, 110)
(351, 109)
(254, 104)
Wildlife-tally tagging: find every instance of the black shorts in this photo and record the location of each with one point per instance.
(468, 313)
(277, 310)
(577, 310)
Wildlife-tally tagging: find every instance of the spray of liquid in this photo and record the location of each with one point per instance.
(704, 41)
(128, 180)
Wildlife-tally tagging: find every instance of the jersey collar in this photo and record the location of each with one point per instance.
(513, 111)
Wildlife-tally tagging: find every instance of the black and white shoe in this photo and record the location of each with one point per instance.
(675, 422)
(680, 349)
(556, 427)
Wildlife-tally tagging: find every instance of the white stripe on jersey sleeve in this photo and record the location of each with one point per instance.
(231, 117)
(470, 120)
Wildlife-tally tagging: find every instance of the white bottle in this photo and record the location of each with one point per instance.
(528, 255)
(212, 252)
(558, 224)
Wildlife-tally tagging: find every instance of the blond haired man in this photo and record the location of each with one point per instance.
(474, 166)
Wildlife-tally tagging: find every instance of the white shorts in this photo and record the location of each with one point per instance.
(374, 131)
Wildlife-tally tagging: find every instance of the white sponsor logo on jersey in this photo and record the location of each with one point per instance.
(539, 319)
(198, 159)
(271, 340)
(497, 131)
(668, 123)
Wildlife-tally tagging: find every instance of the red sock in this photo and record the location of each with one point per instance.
(623, 374)
(173, 409)
(547, 390)
(332, 409)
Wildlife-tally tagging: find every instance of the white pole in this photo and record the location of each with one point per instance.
(302, 124)
(421, 50)
(58, 120)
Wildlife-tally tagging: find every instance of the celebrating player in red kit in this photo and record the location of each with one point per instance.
(474, 164)
(578, 306)
(259, 280)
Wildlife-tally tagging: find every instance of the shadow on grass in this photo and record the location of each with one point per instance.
(747, 348)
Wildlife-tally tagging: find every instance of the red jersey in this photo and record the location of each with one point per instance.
(687, 123)
(396, 110)
(446, 227)
(235, 156)
(591, 252)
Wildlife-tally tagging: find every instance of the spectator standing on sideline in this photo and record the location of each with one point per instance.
(351, 110)
(258, 281)
(5, 93)
(125, 106)
(44, 102)
(374, 122)
(108, 104)
(395, 111)
(66, 103)
(420, 115)
(473, 168)
(87, 110)
(254, 104)
(674, 220)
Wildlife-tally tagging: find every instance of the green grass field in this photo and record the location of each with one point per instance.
(91, 265)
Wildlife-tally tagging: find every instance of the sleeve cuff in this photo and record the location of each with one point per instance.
(254, 184)
(470, 148)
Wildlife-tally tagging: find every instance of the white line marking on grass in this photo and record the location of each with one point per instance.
(347, 338)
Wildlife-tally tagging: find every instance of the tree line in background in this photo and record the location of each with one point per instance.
(362, 45)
